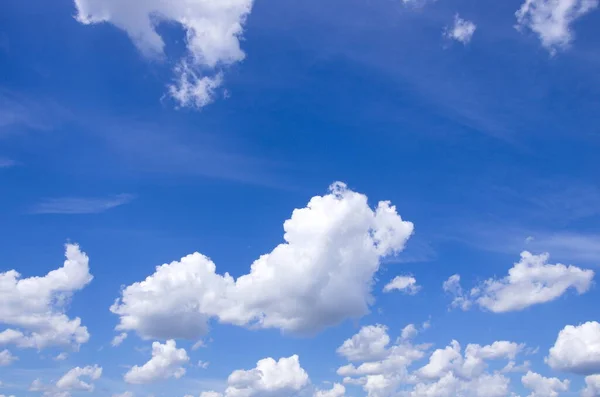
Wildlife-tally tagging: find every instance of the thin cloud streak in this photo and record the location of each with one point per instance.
(80, 205)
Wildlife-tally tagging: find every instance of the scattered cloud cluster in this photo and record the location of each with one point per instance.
(321, 275)
(530, 281)
(213, 30)
(383, 369)
(34, 308)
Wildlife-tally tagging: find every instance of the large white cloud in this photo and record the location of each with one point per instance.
(213, 31)
(577, 349)
(529, 282)
(284, 377)
(34, 308)
(551, 19)
(167, 362)
(541, 386)
(322, 274)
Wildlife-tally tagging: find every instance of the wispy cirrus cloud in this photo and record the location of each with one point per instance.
(6, 162)
(80, 205)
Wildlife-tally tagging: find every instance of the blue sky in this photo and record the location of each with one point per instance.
(133, 135)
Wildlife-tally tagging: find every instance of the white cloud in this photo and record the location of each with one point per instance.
(125, 394)
(543, 387)
(592, 386)
(118, 339)
(514, 367)
(61, 356)
(209, 394)
(385, 367)
(551, 19)
(448, 373)
(268, 378)
(80, 205)
(6, 358)
(321, 275)
(36, 305)
(213, 30)
(449, 385)
(6, 162)
(577, 349)
(407, 284)
(192, 90)
(71, 380)
(166, 362)
(461, 31)
(370, 343)
(459, 298)
(338, 390)
(472, 364)
(409, 332)
(203, 364)
(529, 282)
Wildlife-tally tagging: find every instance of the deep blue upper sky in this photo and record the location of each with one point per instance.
(489, 148)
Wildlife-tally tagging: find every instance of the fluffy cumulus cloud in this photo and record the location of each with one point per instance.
(6, 358)
(167, 362)
(213, 29)
(320, 275)
(543, 387)
(380, 367)
(118, 339)
(384, 369)
(461, 31)
(406, 284)
(592, 386)
(284, 377)
(529, 282)
(577, 349)
(551, 20)
(460, 299)
(70, 381)
(370, 343)
(338, 390)
(33, 308)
